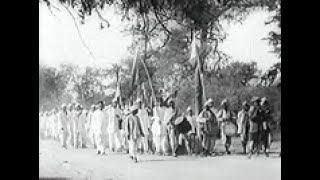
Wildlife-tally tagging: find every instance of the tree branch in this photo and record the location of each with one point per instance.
(79, 33)
(102, 18)
(160, 21)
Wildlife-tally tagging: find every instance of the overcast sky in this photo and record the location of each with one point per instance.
(59, 41)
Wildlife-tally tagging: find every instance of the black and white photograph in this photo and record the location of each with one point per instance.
(160, 89)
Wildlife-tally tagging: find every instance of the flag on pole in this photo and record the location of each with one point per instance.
(118, 92)
(134, 70)
(133, 75)
(194, 57)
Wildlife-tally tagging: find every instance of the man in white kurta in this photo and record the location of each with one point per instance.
(114, 115)
(144, 118)
(99, 127)
(63, 126)
(89, 127)
(76, 133)
(169, 116)
(80, 127)
(243, 125)
(192, 134)
(55, 126)
(157, 127)
(71, 114)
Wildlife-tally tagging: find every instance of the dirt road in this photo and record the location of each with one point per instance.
(85, 164)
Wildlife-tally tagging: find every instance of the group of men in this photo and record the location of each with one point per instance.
(162, 130)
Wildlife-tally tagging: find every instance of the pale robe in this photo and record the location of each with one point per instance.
(113, 120)
(63, 120)
(99, 124)
(242, 120)
(144, 118)
(158, 124)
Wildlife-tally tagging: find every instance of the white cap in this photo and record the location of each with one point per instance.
(263, 100)
(224, 101)
(189, 108)
(133, 108)
(138, 100)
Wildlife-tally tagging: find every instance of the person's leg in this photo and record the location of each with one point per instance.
(157, 142)
(205, 144)
(84, 138)
(72, 135)
(208, 145)
(65, 136)
(265, 142)
(134, 152)
(228, 144)
(94, 142)
(244, 141)
(252, 143)
(244, 146)
(172, 139)
(117, 140)
(111, 142)
(251, 148)
(98, 142)
(131, 148)
(145, 143)
(191, 142)
(75, 139)
(164, 144)
(212, 145)
(187, 144)
(61, 134)
(270, 140)
(139, 146)
(197, 144)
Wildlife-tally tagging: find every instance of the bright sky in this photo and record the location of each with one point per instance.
(60, 43)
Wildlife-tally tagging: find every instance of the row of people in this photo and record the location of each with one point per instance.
(161, 131)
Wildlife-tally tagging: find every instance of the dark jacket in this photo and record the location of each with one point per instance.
(184, 127)
(133, 127)
(254, 119)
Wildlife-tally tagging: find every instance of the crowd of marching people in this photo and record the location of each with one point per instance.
(162, 130)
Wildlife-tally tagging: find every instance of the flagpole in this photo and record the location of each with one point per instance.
(201, 77)
(149, 80)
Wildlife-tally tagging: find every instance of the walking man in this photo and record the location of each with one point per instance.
(224, 117)
(192, 134)
(63, 125)
(243, 125)
(134, 132)
(208, 129)
(114, 114)
(144, 118)
(169, 118)
(254, 118)
(99, 128)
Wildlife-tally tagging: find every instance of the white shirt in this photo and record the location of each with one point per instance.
(99, 121)
(113, 119)
(63, 119)
(144, 118)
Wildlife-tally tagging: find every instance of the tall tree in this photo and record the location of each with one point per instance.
(202, 17)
